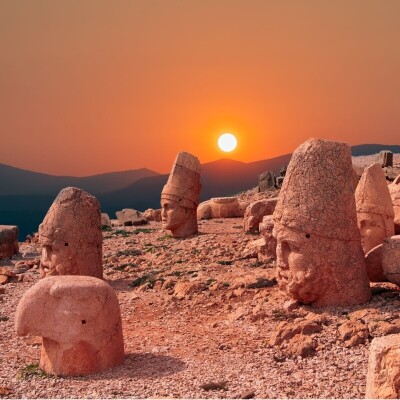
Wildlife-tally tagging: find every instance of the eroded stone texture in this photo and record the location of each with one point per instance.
(180, 196)
(8, 241)
(391, 259)
(152, 215)
(105, 220)
(319, 255)
(70, 236)
(383, 377)
(131, 217)
(78, 318)
(394, 190)
(373, 262)
(374, 208)
(266, 181)
(222, 207)
(266, 227)
(385, 158)
(256, 211)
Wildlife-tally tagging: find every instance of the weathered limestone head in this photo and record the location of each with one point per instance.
(375, 215)
(70, 235)
(319, 255)
(180, 196)
(394, 189)
(80, 321)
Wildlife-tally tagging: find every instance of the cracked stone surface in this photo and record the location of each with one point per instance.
(70, 235)
(374, 208)
(319, 256)
(78, 318)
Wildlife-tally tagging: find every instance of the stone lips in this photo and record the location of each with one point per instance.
(79, 320)
(183, 184)
(318, 191)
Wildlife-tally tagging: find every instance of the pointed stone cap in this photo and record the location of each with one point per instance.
(317, 195)
(183, 184)
(372, 193)
(74, 214)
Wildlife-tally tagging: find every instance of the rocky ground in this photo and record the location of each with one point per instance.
(202, 321)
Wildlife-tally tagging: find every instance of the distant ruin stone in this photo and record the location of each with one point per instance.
(394, 190)
(8, 241)
(391, 259)
(319, 255)
(152, 215)
(383, 377)
(256, 211)
(374, 208)
(130, 217)
(385, 158)
(222, 207)
(105, 220)
(180, 196)
(78, 318)
(266, 181)
(70, 236)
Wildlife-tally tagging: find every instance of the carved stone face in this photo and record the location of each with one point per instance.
(179, 220)
(299, 264)
(374, 228)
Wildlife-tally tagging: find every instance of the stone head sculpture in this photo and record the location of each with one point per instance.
(319, 256)
(79, 320)
(70, 236)
(180, 196)
(375, 215)
(394, 189)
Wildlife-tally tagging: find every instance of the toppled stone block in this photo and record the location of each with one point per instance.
(8, 241)
(152, 215)
(255, 213)
(130, 217)
(383, 377)
(391, 259)
(222, 207)
(78, 318)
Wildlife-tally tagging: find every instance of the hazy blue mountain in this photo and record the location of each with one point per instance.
(25, 196)
(16, 181)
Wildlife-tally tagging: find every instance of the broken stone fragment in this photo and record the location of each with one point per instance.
(391, 259)
(8, 241)
(222, 207)
(255, 213)
(78, 318)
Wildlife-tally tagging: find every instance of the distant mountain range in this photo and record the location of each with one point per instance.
(25, 196)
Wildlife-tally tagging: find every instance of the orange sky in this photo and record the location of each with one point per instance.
(95, 86)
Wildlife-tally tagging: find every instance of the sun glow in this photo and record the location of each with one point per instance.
(227, 142)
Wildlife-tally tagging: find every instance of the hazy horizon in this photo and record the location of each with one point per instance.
(102, 86)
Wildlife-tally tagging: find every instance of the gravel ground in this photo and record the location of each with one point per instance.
(198, 321)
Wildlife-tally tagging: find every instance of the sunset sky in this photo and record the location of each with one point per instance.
(92, 86)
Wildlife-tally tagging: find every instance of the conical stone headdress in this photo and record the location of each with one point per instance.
(183, 185)
(317, 195)
(372, 193)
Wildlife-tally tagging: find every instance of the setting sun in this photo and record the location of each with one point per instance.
(227, 142)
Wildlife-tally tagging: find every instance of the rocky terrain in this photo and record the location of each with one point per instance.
(200, 320)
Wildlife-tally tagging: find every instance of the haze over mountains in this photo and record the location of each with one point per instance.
(25, 196)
